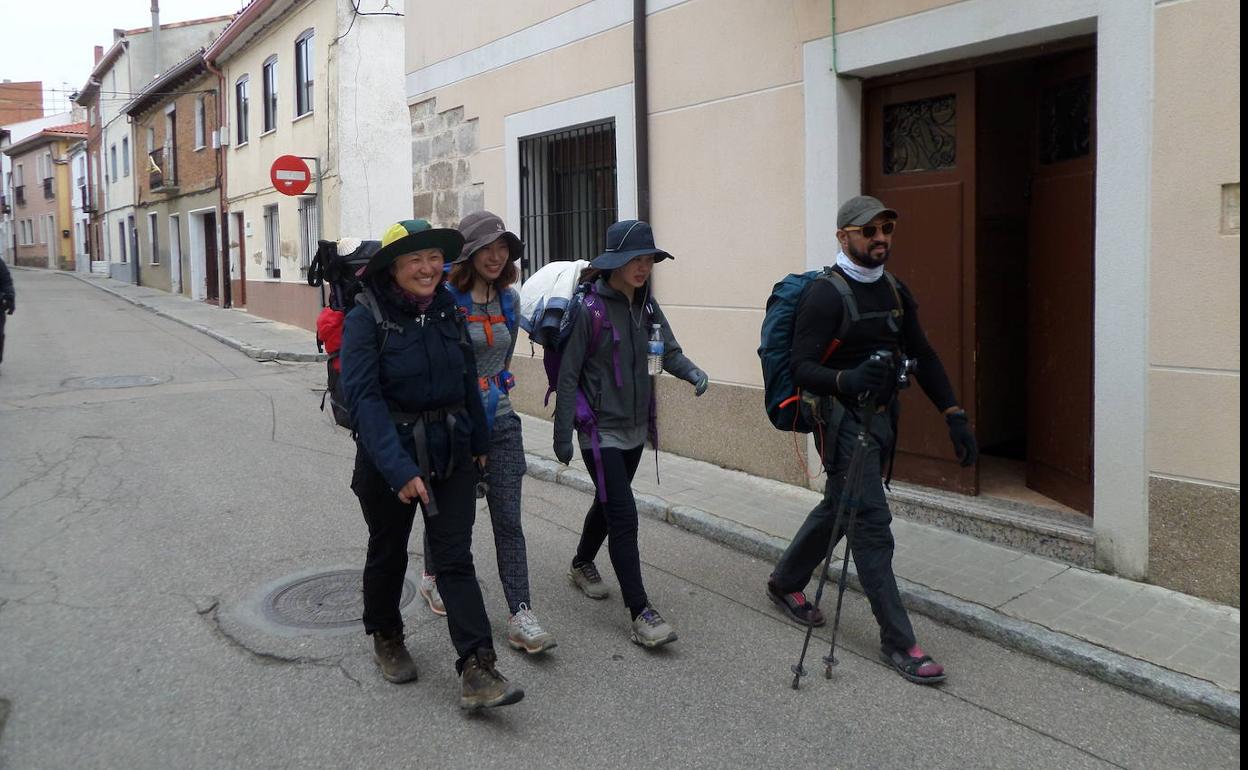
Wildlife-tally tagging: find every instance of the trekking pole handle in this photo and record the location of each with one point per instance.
(865, 397)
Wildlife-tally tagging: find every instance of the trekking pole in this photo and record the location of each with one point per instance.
(860, 452)
(850, 496)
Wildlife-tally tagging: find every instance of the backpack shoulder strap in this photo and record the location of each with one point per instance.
(508, 300)
(892, 284)
(850, 304)
(366, 298)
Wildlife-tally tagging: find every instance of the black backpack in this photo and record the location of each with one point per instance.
(341, 273)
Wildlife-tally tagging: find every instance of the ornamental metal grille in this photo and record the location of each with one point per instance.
(567, 194)
(1066, 120)
(920, 135)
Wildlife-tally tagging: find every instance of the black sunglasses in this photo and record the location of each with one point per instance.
(868, 231)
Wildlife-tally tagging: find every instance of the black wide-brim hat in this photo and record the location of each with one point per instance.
(412, 235)
(626, 241)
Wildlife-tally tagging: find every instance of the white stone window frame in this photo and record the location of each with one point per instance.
(1124, 92)
(610, 104)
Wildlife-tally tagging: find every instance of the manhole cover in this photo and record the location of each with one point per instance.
(328, 600)
(114, 381)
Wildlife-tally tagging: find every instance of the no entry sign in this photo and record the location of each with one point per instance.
(290, 175)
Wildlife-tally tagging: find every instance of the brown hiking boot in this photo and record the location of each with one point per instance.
(482, 685)
(392, 657)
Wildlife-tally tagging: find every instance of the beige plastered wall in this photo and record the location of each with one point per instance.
(1194, 378)
(249, 189)
(726, 144)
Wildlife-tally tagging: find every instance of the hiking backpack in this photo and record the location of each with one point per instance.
(550, 302)
(339, 266)
(492, 388)
(786, 407)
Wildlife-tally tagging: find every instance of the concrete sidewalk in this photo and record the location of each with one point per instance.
(1163, 644)
(259, 338)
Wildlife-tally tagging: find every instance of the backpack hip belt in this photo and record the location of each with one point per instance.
(420, 437)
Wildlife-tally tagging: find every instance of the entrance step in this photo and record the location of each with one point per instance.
(1017, 525)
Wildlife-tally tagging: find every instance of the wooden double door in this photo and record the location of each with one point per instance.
(991, 170)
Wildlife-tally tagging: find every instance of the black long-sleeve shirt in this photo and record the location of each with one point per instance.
(6, 281)
(819, 314)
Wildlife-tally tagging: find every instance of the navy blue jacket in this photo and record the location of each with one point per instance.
(422, 368)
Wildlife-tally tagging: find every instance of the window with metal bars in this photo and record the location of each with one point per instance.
(567, 194)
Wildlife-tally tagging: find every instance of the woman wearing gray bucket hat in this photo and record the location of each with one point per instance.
(480, 280)
(606, 392)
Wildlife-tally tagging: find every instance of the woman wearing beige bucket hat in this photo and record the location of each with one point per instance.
(481, 281)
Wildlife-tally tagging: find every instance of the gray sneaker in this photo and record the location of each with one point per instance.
(429, 590)
(651, 630)
(525, 633)
(586, 578)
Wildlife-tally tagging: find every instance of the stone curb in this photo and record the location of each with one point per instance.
(1148, 679)
(251, 351)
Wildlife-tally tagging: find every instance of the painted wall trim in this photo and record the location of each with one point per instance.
(587, 20)
(614, 103)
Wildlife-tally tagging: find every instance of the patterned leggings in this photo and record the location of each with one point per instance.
(506, 472)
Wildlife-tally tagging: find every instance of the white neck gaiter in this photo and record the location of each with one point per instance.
(858, 272)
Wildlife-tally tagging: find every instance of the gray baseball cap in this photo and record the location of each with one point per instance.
(860, 210)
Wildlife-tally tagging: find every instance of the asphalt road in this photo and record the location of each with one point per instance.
(142, 527)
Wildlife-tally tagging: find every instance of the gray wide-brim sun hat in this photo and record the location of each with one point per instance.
(480, 229)
(860, 210)
(626, 241)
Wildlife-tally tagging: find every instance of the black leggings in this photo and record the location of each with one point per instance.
(616, 522)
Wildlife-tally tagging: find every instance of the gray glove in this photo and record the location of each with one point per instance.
(699, 380)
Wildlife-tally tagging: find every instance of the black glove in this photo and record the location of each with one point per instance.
(963, 439)
(699, 380)
(8, 304)
(563, 451)
(869, 376)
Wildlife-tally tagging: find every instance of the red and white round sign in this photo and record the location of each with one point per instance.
(290, 175)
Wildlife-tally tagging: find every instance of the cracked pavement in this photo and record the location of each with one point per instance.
(140, 528)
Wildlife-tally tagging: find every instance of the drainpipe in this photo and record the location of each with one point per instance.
(155, 38)
(641, 110)
(835, 71)
(223, 244)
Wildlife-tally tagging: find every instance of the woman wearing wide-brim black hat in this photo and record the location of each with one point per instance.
(608, 370)
(410, 382)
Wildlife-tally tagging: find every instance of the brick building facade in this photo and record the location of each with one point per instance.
(178, 181)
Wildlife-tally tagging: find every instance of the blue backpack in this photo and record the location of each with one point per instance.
(784, 401)
(492, 388)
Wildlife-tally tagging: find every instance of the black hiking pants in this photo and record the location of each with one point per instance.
(872, 545)
(616, 523)
(450, 538)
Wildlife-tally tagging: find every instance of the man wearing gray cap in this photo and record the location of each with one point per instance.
(834, 360)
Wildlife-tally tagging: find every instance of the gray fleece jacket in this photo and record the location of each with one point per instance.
(615, 407)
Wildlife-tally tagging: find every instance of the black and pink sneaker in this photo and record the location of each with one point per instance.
(795, 606)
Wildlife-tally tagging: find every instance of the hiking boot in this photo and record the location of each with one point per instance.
(586, 578)
(482, 687)
(392, 657)
(525, 633)
(795, 606)
(651, 630)
(429, 590)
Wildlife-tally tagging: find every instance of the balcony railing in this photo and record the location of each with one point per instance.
(19, 194)
(160, 173)
(48, 192)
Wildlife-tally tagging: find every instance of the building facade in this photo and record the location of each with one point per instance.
(43, 197)
(1024, 145)
(79, 205)
(178, 203)
(135, 57)
(320, 80)
(9, 135)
